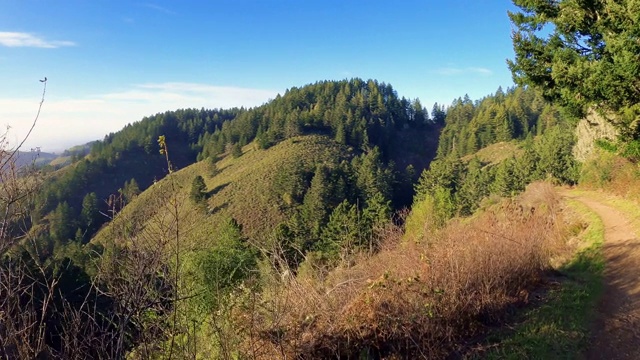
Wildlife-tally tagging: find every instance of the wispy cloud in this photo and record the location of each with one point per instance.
(92, 117)
(193, 94)
(159, 8)
(451, 71)
(20, 39)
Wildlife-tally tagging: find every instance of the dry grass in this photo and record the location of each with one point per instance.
(414, 300)
(612, 173)
(495, 153)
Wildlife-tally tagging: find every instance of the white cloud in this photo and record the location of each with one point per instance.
(451, 71)
(19, 39)
(159, 8)
(67, 122)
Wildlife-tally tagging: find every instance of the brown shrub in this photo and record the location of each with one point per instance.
(415, 300)
(611, 173)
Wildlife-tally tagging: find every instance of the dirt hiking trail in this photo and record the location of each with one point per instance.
(616, 331)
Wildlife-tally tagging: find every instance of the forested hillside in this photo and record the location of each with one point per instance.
(515, 115)
(364, 115)
(219, 215)
(73, 197)
(313, 174)
(537, 142)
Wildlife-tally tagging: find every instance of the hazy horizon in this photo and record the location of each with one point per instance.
(110, 63)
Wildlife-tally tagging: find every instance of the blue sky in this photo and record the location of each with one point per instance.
(110, 63)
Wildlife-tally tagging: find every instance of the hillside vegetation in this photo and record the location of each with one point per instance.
(252, 189)
(281, 231)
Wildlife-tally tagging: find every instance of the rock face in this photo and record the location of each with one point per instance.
(593, 127)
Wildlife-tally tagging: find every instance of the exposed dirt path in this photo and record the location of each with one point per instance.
(616, 332)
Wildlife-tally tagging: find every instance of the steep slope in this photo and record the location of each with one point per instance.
(246, 189)
(366, 115)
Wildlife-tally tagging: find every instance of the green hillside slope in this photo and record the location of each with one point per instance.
(249, 189)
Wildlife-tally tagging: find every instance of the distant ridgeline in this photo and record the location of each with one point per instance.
(363, 115)
(356, 113)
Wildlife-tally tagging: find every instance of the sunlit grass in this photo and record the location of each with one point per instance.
(559, 328)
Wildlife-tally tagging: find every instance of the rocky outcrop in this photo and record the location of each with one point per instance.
(593, 127)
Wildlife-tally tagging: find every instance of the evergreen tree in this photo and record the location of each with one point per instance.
(198, 192)
(212, 166)
(316, 200)
(438, 114)
(504, 128)
(222, 267)
(90, 216)
(555, 154)
(236, 150)
(582, 54)
(376, 213)
(505, 183)
(527, 163)
(372, 176)
(62, 225)
(444, 173)
(341, 136)
(343, 232)
(130, 190)
(473, 189)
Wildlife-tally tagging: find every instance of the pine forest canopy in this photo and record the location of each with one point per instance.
(584, 54)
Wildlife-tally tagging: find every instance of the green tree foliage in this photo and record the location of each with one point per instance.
(359, 113)
(444, 173)
(499, 117)
(62, 224)
(372, 175)
(506, 183)
(555, 156)
(343, 232)
(316, 203)
(90, 216)
(582, 54)
(212, 166)
(376, 213)
(223, 266)
(475, 187)
(368, 116)
(131, 153)
(292, 181)
(451, 184)
(130, 190)
(198, 193)
(291, 242)
(438, 114)
(236, 150)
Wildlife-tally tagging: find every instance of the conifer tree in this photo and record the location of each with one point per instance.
(473, 189)
(62, 225)
(343, 232)
(316, 200)
(236, 150)
(130, 190)
(90, 214)
(198, 192)
(581, 53)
